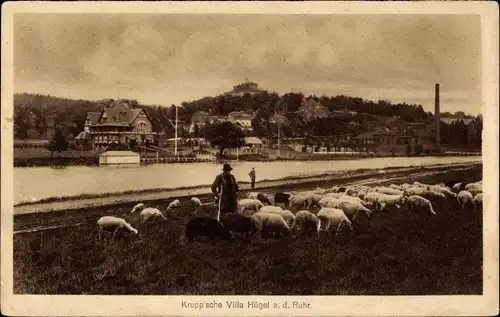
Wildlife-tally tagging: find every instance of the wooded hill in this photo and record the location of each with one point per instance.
(33, 112)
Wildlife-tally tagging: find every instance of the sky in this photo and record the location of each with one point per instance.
(165, 59)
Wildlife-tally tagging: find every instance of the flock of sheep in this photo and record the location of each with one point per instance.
(334, 211)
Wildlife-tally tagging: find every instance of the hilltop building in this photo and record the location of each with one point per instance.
(119, 124)
(246, 87)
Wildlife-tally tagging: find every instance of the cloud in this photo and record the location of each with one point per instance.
(165, 59)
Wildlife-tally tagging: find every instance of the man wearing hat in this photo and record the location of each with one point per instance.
(252, 177)
(226, 188)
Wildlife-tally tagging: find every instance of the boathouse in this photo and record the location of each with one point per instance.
(119, 158)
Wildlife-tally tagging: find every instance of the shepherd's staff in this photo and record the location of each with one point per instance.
(220, 198)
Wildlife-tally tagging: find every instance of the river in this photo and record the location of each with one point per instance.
(35, 183)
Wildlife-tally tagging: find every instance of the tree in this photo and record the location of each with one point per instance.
(224, 135)
(58, 143)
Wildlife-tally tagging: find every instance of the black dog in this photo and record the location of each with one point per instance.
(207, 227)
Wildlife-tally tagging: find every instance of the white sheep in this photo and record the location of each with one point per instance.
(478, 202)
(174, 204)
(443, 190)
(271, 223)
(286, 214)
(431, 194)
(196, 202)
(388, 190)
(474, 188)
(139, 206)
(420, 204)
(305, 221)
(250, 205)
(333, 219)
(110, 223)
(394, 186)
(348, 206)
(464, 198)
(386, 200)
(300, 201)
(413, 190)
(147, 213)
(474, 185)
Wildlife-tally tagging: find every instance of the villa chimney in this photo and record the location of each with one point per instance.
(437, 116)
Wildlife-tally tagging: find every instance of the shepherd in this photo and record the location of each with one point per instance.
(225, 189)
(252, 177)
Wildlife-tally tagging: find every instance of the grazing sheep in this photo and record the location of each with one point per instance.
(474, 185)
(173, 204)
(305, 223)
(250, 205)
(300, 201)
(147, 213)
(110, 223)
(464, 198)
(333, 220)
(420, 204)
(474, 188)
(413, 190)
(348, 206)
(443, 190)
(388, 190)
(270, 223)
(139, 206)
(196, 202)
(432, 195)
(386, 200)
(286, 214)
(151, 213)
(239, 223)
(478, 202)
(207, 227)
(282, 198)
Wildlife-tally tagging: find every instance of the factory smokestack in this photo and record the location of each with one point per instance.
(437, 116)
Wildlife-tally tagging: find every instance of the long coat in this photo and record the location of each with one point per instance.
(227, 183)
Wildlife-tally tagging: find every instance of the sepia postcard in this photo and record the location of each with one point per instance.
(330, 158)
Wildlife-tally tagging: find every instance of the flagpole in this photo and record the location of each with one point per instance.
(176, 119)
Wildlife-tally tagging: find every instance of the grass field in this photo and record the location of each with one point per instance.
(400, 256)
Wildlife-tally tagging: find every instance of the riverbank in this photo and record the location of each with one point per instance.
(155, 194)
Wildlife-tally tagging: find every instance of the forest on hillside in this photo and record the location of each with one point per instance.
(303, 115)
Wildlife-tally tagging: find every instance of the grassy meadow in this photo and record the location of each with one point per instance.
(401, 255)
